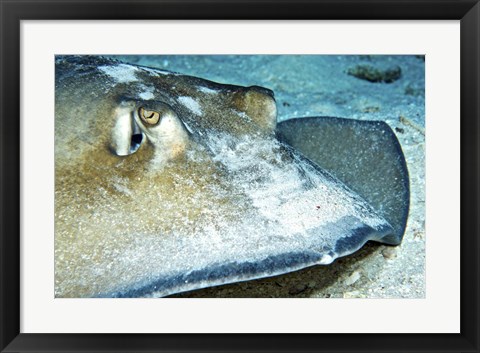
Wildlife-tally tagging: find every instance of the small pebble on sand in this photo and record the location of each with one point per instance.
(389, 253)
(354, 277)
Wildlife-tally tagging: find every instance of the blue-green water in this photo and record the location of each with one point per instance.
(313, 85)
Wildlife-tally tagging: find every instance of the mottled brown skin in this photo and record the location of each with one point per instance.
(206, 186)
(84, 118)
(90, 177)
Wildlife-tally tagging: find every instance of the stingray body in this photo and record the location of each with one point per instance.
(167, 183)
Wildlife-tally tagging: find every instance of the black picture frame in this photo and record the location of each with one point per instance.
(13, 11)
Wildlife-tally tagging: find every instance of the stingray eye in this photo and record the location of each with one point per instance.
(150, 117)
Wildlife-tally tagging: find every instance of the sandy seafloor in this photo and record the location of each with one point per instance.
(311, 85)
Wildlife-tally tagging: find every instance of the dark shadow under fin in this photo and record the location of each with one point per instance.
(365, 155)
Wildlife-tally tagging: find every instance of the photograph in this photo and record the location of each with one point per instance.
(246, 176)
(240, 176)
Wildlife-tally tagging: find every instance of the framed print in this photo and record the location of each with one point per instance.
(239, 176)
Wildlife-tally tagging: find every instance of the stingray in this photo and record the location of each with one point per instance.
(166, 183)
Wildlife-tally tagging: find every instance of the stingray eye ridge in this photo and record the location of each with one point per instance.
(150, 117)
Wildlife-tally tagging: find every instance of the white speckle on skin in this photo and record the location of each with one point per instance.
(156, 72)
(243, 115)
(207, 90)
(188, 127)
(122, 73)
(161, 72)
(191, 104)
(121, 185)
(147, 93)
(326, 259)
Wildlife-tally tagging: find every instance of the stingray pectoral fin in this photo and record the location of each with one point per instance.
(319, 246)
(365, 155)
